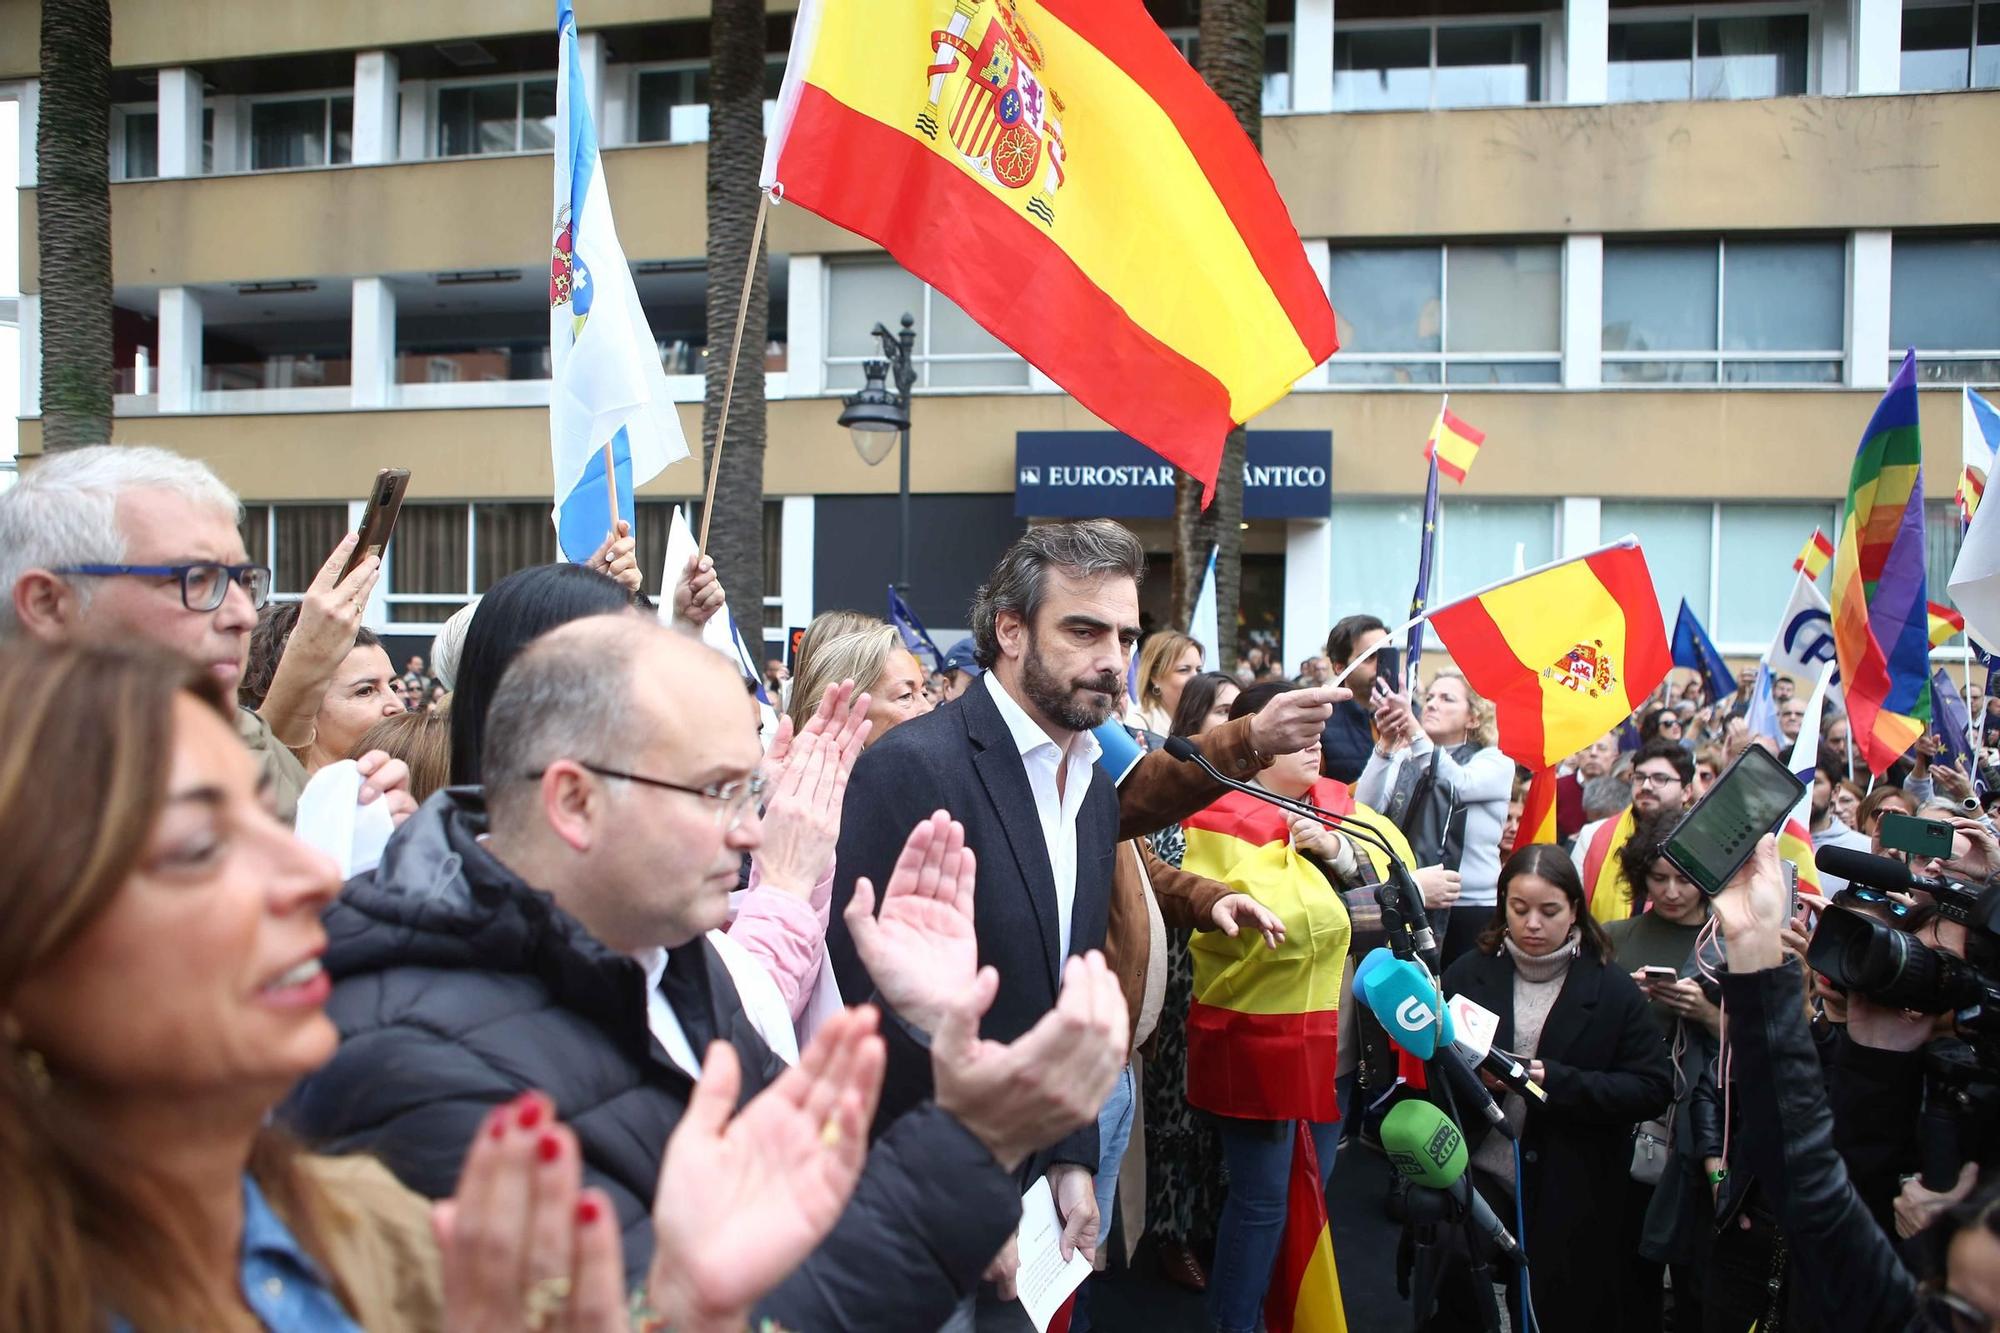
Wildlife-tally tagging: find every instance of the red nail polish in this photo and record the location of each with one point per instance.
(586, 1211)
(499, 1128)
(548, 1148)
(529, 1115)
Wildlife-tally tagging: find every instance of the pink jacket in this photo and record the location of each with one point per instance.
(786, 935)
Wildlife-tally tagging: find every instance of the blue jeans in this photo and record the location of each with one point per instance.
(1258, 1154)
(1114, 1134)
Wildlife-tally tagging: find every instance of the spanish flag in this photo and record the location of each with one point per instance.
(1945, 622)
(1304, 1295)
(1604, 886)
(1565, 652)
(1538, 811)
(1813, 555)
(1454, 445)
(1263, 1031)
(1058, 170)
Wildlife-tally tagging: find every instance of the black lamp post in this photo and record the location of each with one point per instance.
(876, 414)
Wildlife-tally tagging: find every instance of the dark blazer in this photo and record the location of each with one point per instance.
(963, 759)
(1608, 1069)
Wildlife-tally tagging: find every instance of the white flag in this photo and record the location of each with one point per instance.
(1203, 628)
(1805, 634)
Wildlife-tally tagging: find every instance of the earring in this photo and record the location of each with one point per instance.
(33, 1067)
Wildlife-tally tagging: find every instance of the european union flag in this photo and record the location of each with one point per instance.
(1694, 649)
(915, 637)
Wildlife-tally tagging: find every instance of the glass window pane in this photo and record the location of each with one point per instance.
(511, 537)
(1651, 62)
(1343, 371)
(538, 114)
(1782, 372)
(1783, 296)
(1483, 540)
(1012, 372)
(660, 91)
(142, 145)
(343, 129)
(1751, 57)
(478, 119)
(1944, 294)
(306, 535)
(253, 526)
(1503, 298)
(1756, 537)
(428, 553)
(1388, 300)
(1937, 42)
(288, 134)
(1503, 372)
(1659, 372)
(1942, 538)
(1277, 72)
(952, 331)
(1496, 66)
(1386, 70)
(860, 296)
(1986, 57)
(1375, 545)
(1676, 537)
(1659, 298)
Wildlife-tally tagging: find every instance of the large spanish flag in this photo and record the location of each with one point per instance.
(1059, 171)
(1565, 652)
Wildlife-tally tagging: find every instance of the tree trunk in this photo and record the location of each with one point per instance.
(735, 159)
(73, 222)
(1231, 59)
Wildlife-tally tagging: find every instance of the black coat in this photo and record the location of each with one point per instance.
(458, 987)
(963, 759)
(1607, 1070)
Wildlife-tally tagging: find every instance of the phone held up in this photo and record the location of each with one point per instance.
(378, 521)
(1921, 838)
(1750, 799)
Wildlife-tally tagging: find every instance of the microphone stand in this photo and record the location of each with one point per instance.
(1410, 937)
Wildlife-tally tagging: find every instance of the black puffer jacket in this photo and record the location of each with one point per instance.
(457, 987)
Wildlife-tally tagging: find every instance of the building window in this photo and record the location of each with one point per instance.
(312, 131)
(1709, 58)
(139, 137)
(1450, 314)
(1376, 542)
(478, 329)
(1689, 544)
(1277, 62)
(1733, 312)
(429, 563)
(1942, 301)
(952, 352)
(510, 116)
(294, 540)
(672, 101)
(1409, 67)
(1949, 46)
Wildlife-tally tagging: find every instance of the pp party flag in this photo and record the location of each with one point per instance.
(1814, 555)
(1944, 622)
(1795, 834)
(1565, 652)
(607, 390)
(1805, 634)
(1979, 439)
(1880, 629)
(915, 637)
(1538, 811)
(1453, 445)
(1062, 174)
(1304, 1295)
(1695, 650)
(719, 632)
(1202, 628)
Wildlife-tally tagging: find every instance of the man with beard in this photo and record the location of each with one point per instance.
(1013, 760)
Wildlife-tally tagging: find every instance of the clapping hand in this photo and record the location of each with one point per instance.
(1395, 724)
(617, 557)
(802, 821)
(920, 950)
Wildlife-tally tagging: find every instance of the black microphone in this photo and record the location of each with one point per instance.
(1878, 872)
(1466, 1087)
(1511, 1073)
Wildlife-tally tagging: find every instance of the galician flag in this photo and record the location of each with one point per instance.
(607, 387)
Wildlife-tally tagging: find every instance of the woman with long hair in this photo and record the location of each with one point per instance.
(1443, 782)
(869, 655)
(1167, 661)
(1581, 1027)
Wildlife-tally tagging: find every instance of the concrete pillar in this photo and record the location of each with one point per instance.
(180, 123)
(376, 129)
(1586, 35)
(1583, 312)
(1875, 37)
(590, 66)
(373, 343)
(1868, 349)
(1308, 589)
(1319, 254)
(795, 561)
(29, 312)
(31, 103)
(180, 349)
(1582, 518)
(1835, 55)
(1312, 56)
(805, 327)
(228, 139)
(413, 142)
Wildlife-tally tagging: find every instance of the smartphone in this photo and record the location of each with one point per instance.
(1750, 798)
(1388, 672)
(378, 521)
(1792, 886)
(1919, 837)
(1659, 976)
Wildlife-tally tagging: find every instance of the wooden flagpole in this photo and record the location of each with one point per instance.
(729, 381)
(611, 487)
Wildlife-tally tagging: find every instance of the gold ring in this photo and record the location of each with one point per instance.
(545, 1298)
(829, 1133)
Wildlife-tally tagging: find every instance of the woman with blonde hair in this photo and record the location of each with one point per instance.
(1442, 781)
(870, 654)
(1167, 662)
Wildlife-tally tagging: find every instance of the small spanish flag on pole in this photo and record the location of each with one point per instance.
(1304, 1295)
(1945, 622)
(1538, 811)
(1454, 445)
(1814, 555)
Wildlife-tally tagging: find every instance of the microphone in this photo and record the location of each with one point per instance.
(1400, 994)
(1877, 872)
(1476, 1026)
(1427, 1150)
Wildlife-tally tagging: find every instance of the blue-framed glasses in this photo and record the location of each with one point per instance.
(204, 584)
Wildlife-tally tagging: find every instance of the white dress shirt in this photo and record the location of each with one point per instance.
(1042, 758)
(660, 1016)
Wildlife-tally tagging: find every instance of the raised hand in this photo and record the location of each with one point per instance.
(802, 821)
(1752, 909)
(842, 714)
(617, 557)
(329, 615)
(697, 593)
(1240, 911)
(744, 1199)
(920, 950)
(1295, 719)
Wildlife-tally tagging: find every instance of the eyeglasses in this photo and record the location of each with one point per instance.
(204, 584)
(732, 799)
(1656, 779)
(1673, 722)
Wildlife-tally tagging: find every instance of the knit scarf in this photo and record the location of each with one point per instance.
(1538, 980)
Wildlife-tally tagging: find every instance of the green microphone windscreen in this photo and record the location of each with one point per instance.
(1422, 1144)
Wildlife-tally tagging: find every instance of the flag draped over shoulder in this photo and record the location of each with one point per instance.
(1880, 626)
(1304, 1295)
(1564, 653)
(1604, 887)
(1058, 170)
(606, 386)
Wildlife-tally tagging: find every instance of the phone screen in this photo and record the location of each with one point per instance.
(1750, 799)
(1388, 671)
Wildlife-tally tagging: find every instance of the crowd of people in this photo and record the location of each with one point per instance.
(654, 1014)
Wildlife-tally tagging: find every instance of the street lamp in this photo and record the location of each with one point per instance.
(876, 415)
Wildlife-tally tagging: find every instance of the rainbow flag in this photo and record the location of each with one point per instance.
(1263, 1031)
(1566, 652)
(1453, 445)
(1061, 173)
(1944, 622)
(1538, 811)
(1813, 555)
(1304, 1295)
(1880, 627)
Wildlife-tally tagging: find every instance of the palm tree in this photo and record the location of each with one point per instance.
(73, 222)
(735, 158)
(1230, 56)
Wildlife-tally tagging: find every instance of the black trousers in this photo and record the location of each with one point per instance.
(1458, 928)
